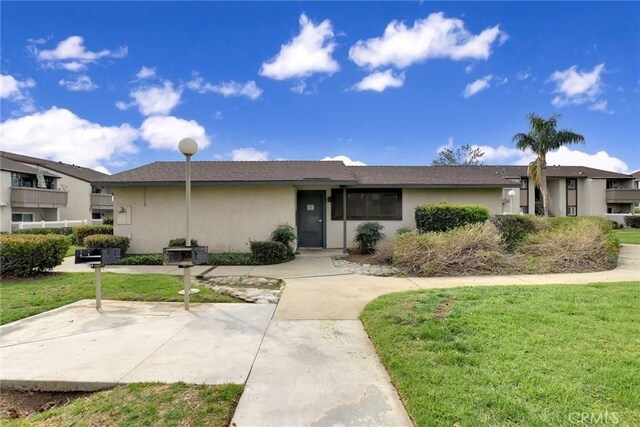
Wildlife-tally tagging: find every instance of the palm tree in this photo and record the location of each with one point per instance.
(541, 138)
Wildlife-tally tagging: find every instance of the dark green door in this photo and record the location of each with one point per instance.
(311, 219)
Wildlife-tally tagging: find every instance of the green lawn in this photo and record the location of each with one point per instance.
(144, 404)
(512, 356)
(628, 235)
(24, 298)
(72, 250)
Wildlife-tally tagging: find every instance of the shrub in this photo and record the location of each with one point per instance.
(632, 221)
(576, 246)
(102, 241)
(513, 228)
(82, 231)
(444, 217)
(269, 252)
(384, 252)
(141, 259)
(570, 222)
(180, 242)
(474, 249)
(64, 231)
(231, 258)
(28, 255)
(368, 234)
(284, 234)
(107, 220)
(403, 230)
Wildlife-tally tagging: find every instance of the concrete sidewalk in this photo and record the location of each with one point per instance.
(76, 347)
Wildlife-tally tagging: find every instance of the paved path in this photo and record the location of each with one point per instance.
(77, 347)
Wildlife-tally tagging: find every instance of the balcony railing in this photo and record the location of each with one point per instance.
(626, 195)
(27, 197)
(101, 201)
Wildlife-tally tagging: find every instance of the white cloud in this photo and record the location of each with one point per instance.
(218, 115)
(17, 91)
(524, 74)
(164, 132)
(307, 53)
(601, 105)
(146, 73)
(58, 134)
(346, 160)
(564, 156)
(449, 145)
(432, 37)
(379, 81)
(477, 86)
(231, 88)
(153, 100)
(577, 87)
(81, 83)
(248, 154)
(71, 54)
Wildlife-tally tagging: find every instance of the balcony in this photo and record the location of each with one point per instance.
(27, 197)
(101, 201)
(623, 195)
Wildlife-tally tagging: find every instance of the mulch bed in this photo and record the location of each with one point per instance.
(20, 404)
(354, 256)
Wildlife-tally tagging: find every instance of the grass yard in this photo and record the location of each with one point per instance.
(24, 298)
(628, 235)
(512, 356)
(144, 404)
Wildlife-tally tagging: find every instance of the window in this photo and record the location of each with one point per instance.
(524, 183)
(572, 211)
(21, 217)
(571, 184)
(524, 209)
(368, 204)
(96, 215)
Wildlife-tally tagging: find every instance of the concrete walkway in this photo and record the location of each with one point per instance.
(77, 347)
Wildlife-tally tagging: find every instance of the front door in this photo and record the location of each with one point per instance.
(311, 219)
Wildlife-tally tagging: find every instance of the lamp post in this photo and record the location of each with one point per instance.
(188, 147)
(511, 194)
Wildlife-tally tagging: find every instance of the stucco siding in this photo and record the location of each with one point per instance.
(79, 199)
(5, 201)
(223, 218)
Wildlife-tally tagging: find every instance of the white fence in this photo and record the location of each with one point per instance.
(53, 224)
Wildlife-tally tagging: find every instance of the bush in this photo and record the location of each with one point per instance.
(269, 252)
(474, 249)
(384, 252)
(576, 246)
(141, 259)
(632, 221)
(82, 231)
(570, 222)
(444, 217)
(513, 228)
(107, 220)
(368, 234)
(231, 258)
(180, 242)
(63, 231)
(284, 234)
(28, 255)
(102, 241)
(403, 230)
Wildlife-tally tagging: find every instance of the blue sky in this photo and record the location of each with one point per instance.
(115, 85)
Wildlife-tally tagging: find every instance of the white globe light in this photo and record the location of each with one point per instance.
(188, 146)
(512, 193)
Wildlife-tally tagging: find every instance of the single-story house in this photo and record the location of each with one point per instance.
(235, 202)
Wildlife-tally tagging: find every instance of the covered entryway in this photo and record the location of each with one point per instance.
(310, 219)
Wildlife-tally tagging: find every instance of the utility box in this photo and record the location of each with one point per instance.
(196, 255)
(104, 256)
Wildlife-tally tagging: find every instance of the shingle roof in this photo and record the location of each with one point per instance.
(636, 174)
(75, 171)
(468, 176)
(10, 165)
(236, 172)
(565, 172)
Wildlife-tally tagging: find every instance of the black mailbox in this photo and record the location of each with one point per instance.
(194, 254)
(103, 256)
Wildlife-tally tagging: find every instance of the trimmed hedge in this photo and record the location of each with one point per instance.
(284, 234)
(231, 258)
(268, 252)
(64, 231)
(368, 234)
(25, 255)
(102, 241)
(180, 242)
(632, 221)
(82, 231)
(513, 229)
(444, 217)
(141, 259)
(107, 221)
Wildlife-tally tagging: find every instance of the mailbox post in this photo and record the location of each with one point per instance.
(97, 267)
(98, 258)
